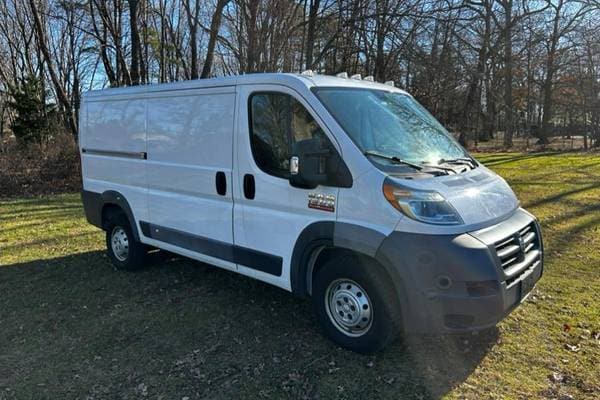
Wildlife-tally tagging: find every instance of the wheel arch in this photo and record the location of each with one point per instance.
(320, 241)
(97, 206)
(311, 241)
(112, 199)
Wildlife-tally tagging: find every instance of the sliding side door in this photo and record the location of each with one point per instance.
(189, 167)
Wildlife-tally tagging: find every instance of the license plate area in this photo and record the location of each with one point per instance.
(527, 284)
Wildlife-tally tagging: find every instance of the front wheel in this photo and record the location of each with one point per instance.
(356, 304)
(124, 251)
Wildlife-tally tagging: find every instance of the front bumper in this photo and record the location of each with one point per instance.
(467, 282)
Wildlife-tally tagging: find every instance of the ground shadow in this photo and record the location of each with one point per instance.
(75, 327)
(490, 161)
(556, 197)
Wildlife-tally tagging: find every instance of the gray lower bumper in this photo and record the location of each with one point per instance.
(457, 283)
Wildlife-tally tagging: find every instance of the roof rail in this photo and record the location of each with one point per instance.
(356, 76)
(308, 72)
(342, 75)
(390, 83)
(369, 78)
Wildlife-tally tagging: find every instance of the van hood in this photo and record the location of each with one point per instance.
(479, 195)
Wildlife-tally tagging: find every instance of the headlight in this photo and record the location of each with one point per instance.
(424, 206)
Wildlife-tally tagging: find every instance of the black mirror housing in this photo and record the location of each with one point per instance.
(318, 163)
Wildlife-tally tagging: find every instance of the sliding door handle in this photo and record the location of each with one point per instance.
(221, 183)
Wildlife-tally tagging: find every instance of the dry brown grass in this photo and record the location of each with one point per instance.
(38, 169)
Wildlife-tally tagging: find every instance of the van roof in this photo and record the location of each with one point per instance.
(291, 80)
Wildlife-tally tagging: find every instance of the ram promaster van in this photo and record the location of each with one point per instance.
(339, 189)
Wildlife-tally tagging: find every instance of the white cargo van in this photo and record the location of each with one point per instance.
(344, 190)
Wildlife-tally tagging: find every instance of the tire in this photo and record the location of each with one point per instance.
(343, 286)
(126, 253)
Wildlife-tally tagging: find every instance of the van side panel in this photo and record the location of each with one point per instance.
(113, 142)
(190, 141)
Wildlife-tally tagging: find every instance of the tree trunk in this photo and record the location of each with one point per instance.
(102, 38)
(380, 31)
(252, 35)
(310, 34)
(471, 106)
(135, 42)
(508, 75)
(61, 93)
(215, 24)
(192, 21)
(546, 131)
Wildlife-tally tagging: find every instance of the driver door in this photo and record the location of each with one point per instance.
(269, 213)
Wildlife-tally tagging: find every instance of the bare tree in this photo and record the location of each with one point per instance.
(192, 12)
(59, 89)
(215, 24)
(563, 22)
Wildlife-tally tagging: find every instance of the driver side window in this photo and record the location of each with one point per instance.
(277, 123)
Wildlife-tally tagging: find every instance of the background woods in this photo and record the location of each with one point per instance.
(487, 69)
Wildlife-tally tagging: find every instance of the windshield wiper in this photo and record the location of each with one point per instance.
(460, 160)
(418, 167)
(394, 159)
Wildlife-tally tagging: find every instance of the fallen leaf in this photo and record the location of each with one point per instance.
(557, 377)
(573, 347)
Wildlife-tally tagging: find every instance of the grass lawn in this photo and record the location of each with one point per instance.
(73, 327)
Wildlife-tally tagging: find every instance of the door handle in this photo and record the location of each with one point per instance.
(249, 186)
(221, 183)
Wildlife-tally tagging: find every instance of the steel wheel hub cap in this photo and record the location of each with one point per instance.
(119, 243)
(348, 307)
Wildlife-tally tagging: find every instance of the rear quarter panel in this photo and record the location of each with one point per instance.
(117, 125)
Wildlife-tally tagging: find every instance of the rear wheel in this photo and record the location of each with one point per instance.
(124, 251)
(356, 304)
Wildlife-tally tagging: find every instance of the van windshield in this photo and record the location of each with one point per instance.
(391, 124)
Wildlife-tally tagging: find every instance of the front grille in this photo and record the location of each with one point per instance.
(519, 252)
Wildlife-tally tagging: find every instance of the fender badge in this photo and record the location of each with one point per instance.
(320, 201)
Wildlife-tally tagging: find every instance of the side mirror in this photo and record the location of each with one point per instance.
(315, 162)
